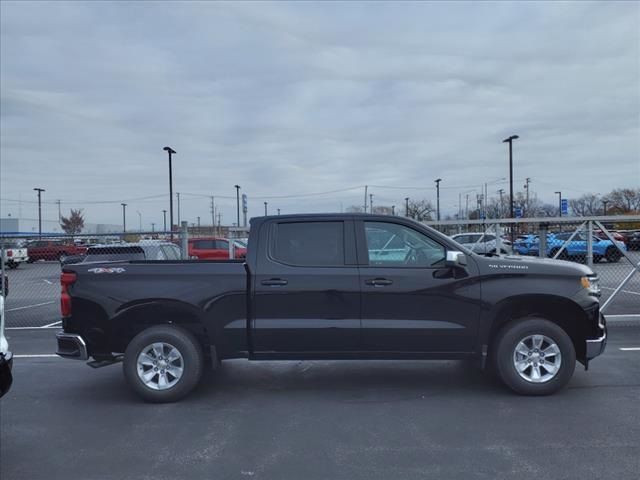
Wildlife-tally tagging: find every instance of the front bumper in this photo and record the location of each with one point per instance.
(6, 377)
(597, 345)
(71, 345)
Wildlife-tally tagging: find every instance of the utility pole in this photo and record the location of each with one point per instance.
(459, 205)
(501, 191)
(164, 215)
(526, 207)
(213, 213)
(124, 217)
(371, 203)
(39, 190)
(59, 212)
(237, 187)
(265, 209)
(153, 227)
(139, 220)
(366, 187)
(198, 223)
(559, 203)
(170, 151)
(466, 208)
(179, 223)
(406, 206)
(438, 198)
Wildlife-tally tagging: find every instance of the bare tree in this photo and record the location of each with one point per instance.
(420, 210)
(624, 200)
(74, 223)
(587, 204)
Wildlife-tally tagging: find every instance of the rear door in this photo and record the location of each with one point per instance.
(411, 302)
(306, 289)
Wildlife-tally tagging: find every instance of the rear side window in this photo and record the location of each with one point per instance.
(204, 244)
(308, 244)
(222, 245)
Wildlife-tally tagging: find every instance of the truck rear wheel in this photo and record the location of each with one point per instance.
(534, 356)
(163, 363)
(613, 255)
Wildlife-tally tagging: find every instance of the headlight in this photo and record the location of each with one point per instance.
(592, 284)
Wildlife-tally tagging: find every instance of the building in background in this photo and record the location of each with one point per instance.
(29, 226)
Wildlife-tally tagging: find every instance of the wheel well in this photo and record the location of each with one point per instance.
(131, 323)
(563, 312)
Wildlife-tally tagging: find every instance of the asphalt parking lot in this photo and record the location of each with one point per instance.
(34, 292)
(320, 420)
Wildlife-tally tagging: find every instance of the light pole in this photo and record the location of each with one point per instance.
(406, 206)
(164, 216)
(124, 217)
(510, 142)
(39, 190)
(604, 204)
(170, 151)
(237, 204)
(393, 210)
(139, 220)
(371, 203)
(198, 223)
(278, 211)
(153, 227)
(559, 203)
(438, 180)
(265, 209)
(501, 191)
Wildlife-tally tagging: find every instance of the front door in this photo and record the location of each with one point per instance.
(412, 302)
(307, 289)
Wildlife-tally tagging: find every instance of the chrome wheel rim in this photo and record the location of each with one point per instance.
(160, 366)
(537, 359)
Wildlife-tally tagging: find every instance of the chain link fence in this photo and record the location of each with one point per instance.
(31, 265)
(609, 245)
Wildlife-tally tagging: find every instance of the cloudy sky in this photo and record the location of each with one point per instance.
(292, 99)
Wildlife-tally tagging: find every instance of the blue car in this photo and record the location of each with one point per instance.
(526, 244)
(576, 249)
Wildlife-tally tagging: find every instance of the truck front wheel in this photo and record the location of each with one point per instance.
(534, 356)
(163, 363)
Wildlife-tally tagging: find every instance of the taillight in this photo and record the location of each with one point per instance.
(9, 253)
(66, 280)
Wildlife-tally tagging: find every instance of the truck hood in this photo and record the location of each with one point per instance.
(531, 265)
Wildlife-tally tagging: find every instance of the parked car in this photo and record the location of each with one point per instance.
(318, 287)
(143, 250)
(14, 255)
(633, 240)
(53, 249)
(483, 243)
(212, 248)
(6, 357)
(526, 244)
(617, 236)
(576, 249)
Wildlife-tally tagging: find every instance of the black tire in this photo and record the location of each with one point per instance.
(597, 258)
(188, 347)
(613, 255)
(12, 265)
(508, 339)
(563, 255)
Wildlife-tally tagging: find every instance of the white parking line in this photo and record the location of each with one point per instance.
(51, 324)
(50, 283)
(624, 291)
(47, 355)
(29, 306)
(633, 315)
(630, 349)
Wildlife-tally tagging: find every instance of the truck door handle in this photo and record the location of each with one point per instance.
(274, 282)
(378, 282)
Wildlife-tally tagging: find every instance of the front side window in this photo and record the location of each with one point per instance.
(309, 244)
(204, 244)
(393, 245)
(222, 245)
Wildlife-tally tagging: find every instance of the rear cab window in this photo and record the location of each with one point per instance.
(308, 244)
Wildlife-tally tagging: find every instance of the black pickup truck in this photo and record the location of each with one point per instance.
(334, 287)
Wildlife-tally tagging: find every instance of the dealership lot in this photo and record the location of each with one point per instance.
(317, 420)
(35, 291)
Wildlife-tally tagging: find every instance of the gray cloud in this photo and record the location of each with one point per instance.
(287, 98)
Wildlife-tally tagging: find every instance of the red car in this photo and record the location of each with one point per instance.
(52, 250)
(212, 248)
(616, 235)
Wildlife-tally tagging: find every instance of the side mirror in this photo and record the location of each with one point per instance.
(455, 259)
